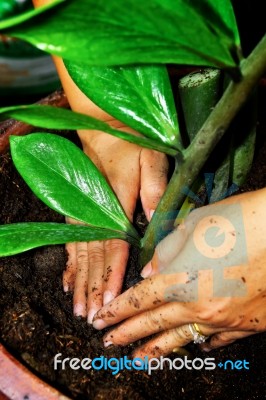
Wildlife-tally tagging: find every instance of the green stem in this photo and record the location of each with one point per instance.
(197, 153)
(27, 15)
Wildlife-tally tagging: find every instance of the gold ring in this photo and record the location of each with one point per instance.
(198, 336)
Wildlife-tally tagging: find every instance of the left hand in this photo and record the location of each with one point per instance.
(95, 270)
(180, 288)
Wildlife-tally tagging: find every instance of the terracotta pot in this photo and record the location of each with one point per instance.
(18, 383)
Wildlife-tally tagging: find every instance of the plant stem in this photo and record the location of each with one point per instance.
(195, 156)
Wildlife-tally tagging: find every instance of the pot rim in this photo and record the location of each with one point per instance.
(18, 383)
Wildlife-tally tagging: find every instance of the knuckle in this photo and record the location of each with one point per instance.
(207, 315)
(152, 321)
(156, 322)
(113, 245)
(82, 256)
(95, 255)
(215, 312)
(181, 333)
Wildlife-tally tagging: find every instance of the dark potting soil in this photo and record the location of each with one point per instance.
(36, 319)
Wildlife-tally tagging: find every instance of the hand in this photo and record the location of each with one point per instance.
(95, 270)
(195, 277)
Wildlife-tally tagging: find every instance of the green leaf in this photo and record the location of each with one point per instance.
(16, 238)
(220, 17)
(139, 96)
(49, 117)
(27, 15)
(66, 180)
(118, 32)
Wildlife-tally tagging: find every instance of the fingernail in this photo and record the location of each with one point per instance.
(151, 213)
(147, 270)
(91, 314)
(176, 350)
(107, 297)
(66, 288)
(107, 343)
(78, 310)
(99, 324)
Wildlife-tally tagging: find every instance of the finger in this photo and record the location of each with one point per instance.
(95, 278)
(127, 194)
(143, 296)
(165, 343)
(146, 324)
(222, 339)
(154, 321)
(69, 275)
(157, 290)
(116, 251)
(154, 168)
(170, 341)
(81, 282)
(115, 259)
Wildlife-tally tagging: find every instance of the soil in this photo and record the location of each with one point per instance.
(36, 320)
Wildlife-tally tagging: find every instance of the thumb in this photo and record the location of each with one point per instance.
(154, 168)
(166, 251)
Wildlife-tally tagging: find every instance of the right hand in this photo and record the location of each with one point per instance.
(198, 275)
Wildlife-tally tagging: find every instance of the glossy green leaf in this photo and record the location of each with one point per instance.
(59, 118)
(220, 17)
(16, 238)
(118, 32)
(12, 7)
(139, 96)
(66, 180)
(27, 15)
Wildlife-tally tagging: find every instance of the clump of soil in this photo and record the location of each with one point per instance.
(36, 319)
